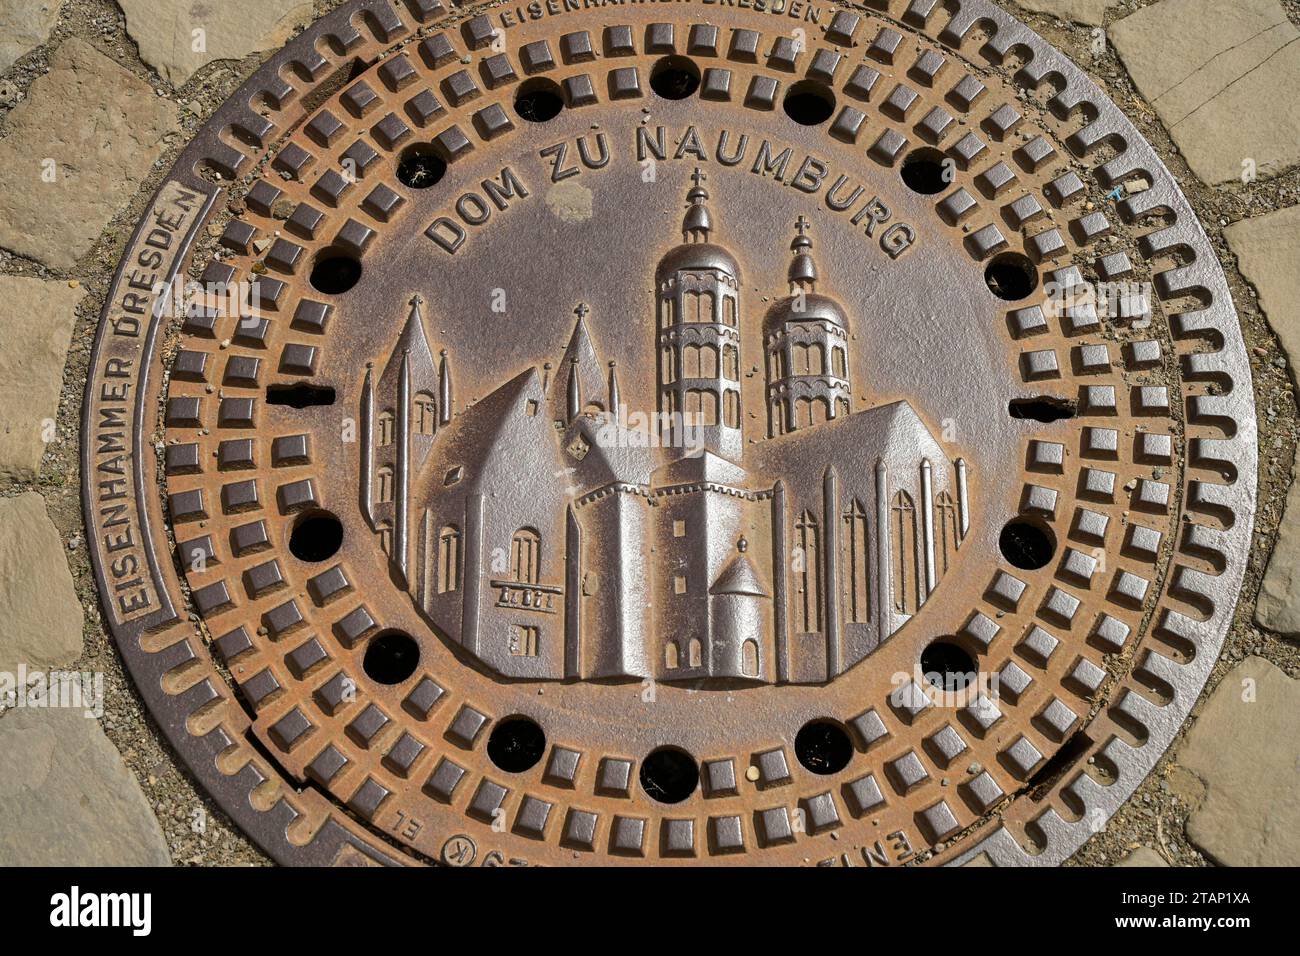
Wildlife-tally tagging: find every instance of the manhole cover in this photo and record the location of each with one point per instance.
(669, 434)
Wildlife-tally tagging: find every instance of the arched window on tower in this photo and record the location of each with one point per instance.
(839, 367)
(731, 408)
(800, 353)
(905, 570)
(665, 312)
(816, 360)
(694, 656)
(731, 363)
(749, 659)
(384, 483)
(385, 427)
(691, 361)
(945, 519)
(706, 307)
(701, 408)
(708, 361)
(691, 304)
(448, 559)
(424, 413)
(803, 414)
(855, 548)
(668, 365)
(670, 656)
(807, 569)
(729, 310)
(526, 556)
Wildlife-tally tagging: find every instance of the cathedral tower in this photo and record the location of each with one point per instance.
(697, 287)
(805, 336)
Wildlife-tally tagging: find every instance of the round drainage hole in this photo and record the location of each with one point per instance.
(823, 746)
(420, 167)
(335, 273)
(809, 103)
(516, 744)
(946, 665)
(316, 536)
(675, 78)
(539, 100)
(1027, 545)
(669, 775)
(1011, 276)
(391, 657)
(925, 171)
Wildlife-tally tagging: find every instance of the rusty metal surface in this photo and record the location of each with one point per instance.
(663, 372)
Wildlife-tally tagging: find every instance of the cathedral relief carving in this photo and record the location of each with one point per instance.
(545, 530)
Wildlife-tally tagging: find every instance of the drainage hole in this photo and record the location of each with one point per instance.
(391, 657)
(516, 744)
(539, 100)
(316, 536)
(946, 665)
(420, 167)
(926, 171)
(335, 273)
(300, 395)
(1027, 544)
(809, 103)
(675, 78)
(1011, 276)
(669, 775)
(1045, 410)
(823, 746)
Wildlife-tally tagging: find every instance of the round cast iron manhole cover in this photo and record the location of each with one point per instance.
(669, 434)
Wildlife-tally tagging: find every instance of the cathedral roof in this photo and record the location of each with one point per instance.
(815, 308)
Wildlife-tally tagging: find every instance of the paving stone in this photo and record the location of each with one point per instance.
(1278, 605)
(1076, 11)
(41, 614)
(36, 319)
(1225, 81)
(1268, 252)
(232, 29)
(24, 25)
(102, 127)
(1246, 751)
(1143, 857)
(66, 797)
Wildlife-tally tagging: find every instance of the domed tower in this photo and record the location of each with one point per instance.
(697, 286)
(806, 337)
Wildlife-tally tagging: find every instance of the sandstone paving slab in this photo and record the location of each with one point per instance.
(66, 797)
(1090, 12)
(36, 320)
(1245, 745)
(1224, 79)
(1268, 252)
(94, 129)
(38, 604)
(24, 25)
(178, 37)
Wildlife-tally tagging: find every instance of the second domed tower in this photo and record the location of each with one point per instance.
(806, 341)
(697, 289)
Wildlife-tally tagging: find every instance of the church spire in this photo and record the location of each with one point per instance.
(697, 223)
(803, 271)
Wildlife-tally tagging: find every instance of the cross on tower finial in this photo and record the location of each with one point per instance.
(802, 225)
(582, 310)
(417, 299)
(698, 176)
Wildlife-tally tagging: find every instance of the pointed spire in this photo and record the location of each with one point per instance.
(803, 271)
(613, 391)
(444, 388)
(698, 222)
